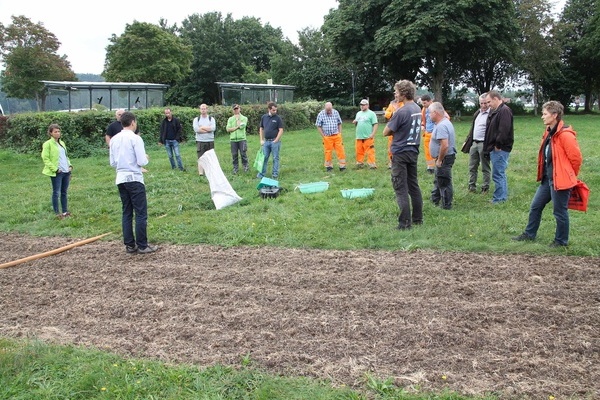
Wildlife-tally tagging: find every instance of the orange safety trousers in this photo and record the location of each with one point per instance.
(428, 159)
(334, 143)
(365, 147)
(390, 155)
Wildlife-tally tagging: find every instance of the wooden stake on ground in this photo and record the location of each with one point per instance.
(52, 252)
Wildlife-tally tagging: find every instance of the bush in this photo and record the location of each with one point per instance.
(84, 131)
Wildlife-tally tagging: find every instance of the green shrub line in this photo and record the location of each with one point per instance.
(25, 133)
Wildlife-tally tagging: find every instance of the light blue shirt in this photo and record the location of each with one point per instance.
(205, 121)
(63, 163)
(442, 130)
(128, 156)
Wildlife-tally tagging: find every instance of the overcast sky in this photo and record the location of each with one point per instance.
(83, 28)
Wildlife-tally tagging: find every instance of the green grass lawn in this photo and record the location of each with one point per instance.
(181, 210)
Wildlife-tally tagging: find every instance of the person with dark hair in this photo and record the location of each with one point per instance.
(270, 132)
(498, 143)
(559, 161)
(170, 137)
(128, 156)
(405, 127)
(58, 167)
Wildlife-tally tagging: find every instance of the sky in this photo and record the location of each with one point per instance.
(84, 28)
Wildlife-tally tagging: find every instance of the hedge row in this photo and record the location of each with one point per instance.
(84, 131)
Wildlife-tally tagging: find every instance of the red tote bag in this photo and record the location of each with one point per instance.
(579, 197)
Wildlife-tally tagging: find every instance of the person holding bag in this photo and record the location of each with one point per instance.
(559, 161)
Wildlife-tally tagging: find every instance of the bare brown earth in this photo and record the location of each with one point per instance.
(516, 325)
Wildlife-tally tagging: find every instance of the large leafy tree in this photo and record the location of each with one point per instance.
(226, 50)
(29, 52)
(435, 41)
(578, 32)
(147, 53)
(539, 57)
(313, 69)
(350, 31)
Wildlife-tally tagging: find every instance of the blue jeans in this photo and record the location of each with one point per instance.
(406, 184)
(172, 147)
(269, 148)
(560, 200)
(60, 185)
(133, 197)
(499, 159)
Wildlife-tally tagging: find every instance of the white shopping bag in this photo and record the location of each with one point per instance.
(221, 192)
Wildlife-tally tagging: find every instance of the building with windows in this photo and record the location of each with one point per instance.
(70, 96)
(254, 93)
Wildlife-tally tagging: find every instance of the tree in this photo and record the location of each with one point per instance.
(415, 36)
(29, 52)
(577, 32)
(539, 57)
(147, 53)
(223, 50)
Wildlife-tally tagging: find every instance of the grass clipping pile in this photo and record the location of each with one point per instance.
(513, 325)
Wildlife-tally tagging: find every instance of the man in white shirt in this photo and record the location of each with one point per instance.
(128, 156)
(205, 127)
(476, 154)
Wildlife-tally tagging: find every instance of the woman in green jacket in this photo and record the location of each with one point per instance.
(58, 167)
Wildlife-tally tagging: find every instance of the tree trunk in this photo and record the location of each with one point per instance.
(437, 77)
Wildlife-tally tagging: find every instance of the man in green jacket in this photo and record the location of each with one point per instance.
(236, 126)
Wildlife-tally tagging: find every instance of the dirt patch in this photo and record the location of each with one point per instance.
(516, 325)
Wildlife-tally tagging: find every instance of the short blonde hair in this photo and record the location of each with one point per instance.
(554, 107)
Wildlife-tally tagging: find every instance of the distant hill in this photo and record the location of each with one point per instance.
(90, 78)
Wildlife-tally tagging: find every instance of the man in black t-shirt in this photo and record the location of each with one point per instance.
(405, 127)
(114, 127)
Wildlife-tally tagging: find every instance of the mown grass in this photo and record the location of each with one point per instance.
(34, 370)
(181, 209)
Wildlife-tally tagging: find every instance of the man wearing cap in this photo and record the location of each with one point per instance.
(236, 126)
(329, 124)
(366, 128)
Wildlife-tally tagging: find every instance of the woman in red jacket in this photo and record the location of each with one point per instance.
(559, 161)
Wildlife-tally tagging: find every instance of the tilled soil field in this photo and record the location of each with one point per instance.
(516, 325)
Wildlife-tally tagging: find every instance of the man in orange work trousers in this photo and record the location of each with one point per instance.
(366, 128)
(329, 124)
(389, 111)
(427, 127)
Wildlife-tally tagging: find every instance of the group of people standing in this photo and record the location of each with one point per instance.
(489, 143)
